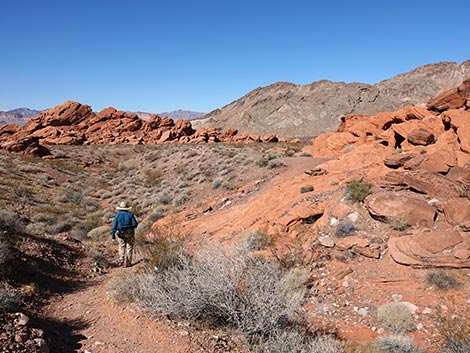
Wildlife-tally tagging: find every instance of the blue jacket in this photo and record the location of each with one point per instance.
(123, 220)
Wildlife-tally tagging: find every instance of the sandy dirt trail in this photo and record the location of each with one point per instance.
(92, 322)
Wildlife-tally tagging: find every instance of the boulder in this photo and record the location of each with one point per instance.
(420, 136)
(407, 208)
(457, 212)
(440, 247)
(459, 120)
(26, 145)
(454, 98)
(424, 181)
(397, 160)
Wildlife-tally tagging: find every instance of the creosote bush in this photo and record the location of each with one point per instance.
(357, 190)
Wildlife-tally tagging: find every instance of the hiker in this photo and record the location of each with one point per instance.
(123, 227)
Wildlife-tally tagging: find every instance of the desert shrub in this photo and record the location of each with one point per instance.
(275, 164)
(397, 223)
(164, 252)
(10, 298)
(7, 256)
(267, 157)
(345, 228)
(396, 317)
(455, 331)
(222, 289)
(11, 220)
(258, 241)
(295, 279)
(357, 190)
(164, 198)
(181, 199)
(153, 177)
(99, 233)
(217, 183)
(293, 341)
(396, 344)
(306, 188)
(442, 280)
(59, 227)
(90, 223)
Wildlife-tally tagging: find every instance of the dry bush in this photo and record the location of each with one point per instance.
(99, 233)
(397, 344)
(456, 333)
(11, 220)
(442, 280)
(293, 341)
(396, 317)
(258, 241)
(397, 223)
(345, 228)
(222, 289)
(10, 298)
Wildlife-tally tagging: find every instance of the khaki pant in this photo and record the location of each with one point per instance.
(126, 246)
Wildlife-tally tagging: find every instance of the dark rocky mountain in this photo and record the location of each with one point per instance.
(182, 115)
(294, 110)
(17, 116)
(175, 115)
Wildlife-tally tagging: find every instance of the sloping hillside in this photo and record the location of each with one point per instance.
(307, 110)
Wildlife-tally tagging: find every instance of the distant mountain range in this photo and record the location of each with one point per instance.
(17, 116)
(291, 110)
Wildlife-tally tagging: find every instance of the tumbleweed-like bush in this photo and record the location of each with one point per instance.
(219, 288)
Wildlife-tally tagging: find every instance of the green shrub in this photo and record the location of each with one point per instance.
(357, 190)
(442, 280)
(396, 317)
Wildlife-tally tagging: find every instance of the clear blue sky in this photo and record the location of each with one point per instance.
(154, 56)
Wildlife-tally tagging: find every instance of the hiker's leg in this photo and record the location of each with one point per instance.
(121, 249)
(130, 249)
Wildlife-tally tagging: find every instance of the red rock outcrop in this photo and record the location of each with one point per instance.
(72, 123)
(456, 97)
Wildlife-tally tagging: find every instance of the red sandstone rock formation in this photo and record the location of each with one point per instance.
(72, 123)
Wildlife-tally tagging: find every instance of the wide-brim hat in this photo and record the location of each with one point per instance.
(123, 206)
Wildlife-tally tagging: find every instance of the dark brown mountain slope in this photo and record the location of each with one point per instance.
(307, 110)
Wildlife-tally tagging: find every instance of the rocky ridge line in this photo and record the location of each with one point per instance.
(73, 123)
